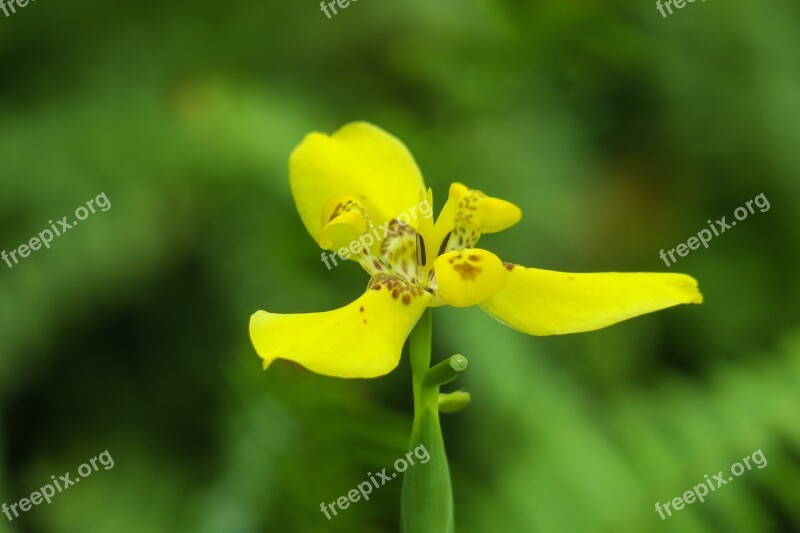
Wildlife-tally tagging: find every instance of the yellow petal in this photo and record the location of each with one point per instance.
(494, 214)
(426, 230)
(467, 214)
(359, 160)
(344, 220)
(468, 277)
(544, 302)
(361, 340)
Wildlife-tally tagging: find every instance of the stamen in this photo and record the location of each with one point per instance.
(421, 259)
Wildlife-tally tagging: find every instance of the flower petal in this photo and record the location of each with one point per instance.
(361, 340)
(360, 160)
(468, 277)
(495, 215)
(343, 221)
(544, 302)
(467, 214)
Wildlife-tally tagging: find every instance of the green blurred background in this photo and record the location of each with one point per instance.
(617, 132)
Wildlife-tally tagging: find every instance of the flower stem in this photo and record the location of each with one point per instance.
(427, 497)
(446, 371)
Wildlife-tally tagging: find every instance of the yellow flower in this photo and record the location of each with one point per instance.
(362, 182)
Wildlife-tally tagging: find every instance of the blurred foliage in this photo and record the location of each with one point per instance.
(618, 132)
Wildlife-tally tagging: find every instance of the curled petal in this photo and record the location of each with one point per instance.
(343, 221)
(468, 214)
(544, 302)
(468, 277)
(361, 340)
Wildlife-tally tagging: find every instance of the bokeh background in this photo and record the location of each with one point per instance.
(617, 132)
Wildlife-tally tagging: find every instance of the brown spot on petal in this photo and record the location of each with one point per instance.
(362, 309)
(336, 212)
(509, 266)
(406, 299)
(467, 271)
(474, 258)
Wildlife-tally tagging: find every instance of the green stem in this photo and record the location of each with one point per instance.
(446, 371)
(427, 497)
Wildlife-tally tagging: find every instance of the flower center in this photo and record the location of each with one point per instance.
(409, 243)
(409, 252)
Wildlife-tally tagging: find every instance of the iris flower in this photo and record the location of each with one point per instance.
(349, 185)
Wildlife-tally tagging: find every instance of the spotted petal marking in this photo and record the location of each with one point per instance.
(468, 277)
(469, 213)
(465, 233)
(399, 288)
(343, 219)
(399, 250)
